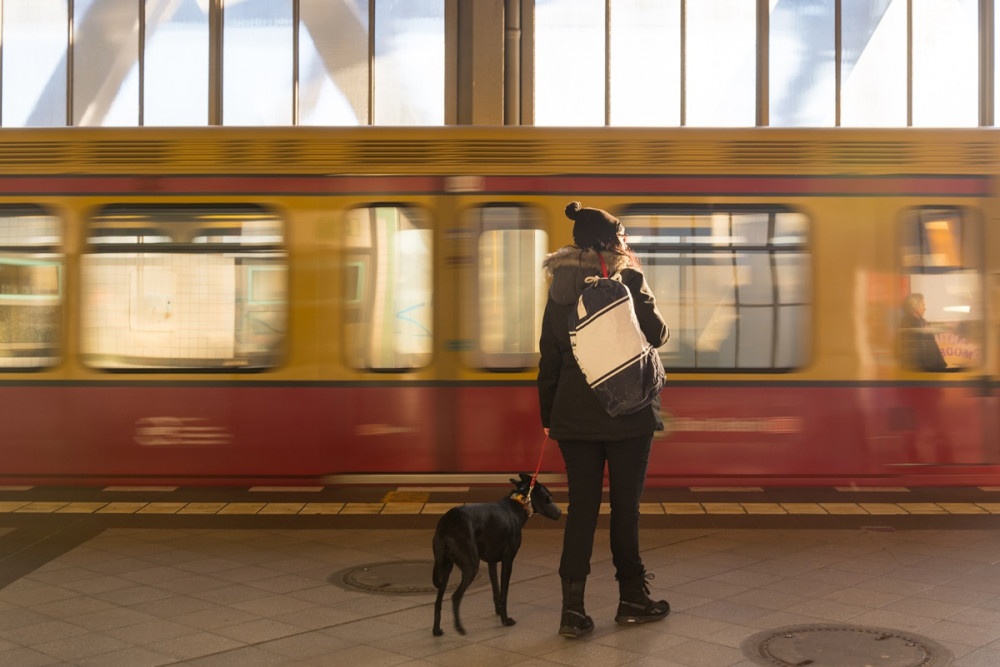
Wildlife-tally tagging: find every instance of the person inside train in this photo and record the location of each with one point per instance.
(917, 346)
(588, 437)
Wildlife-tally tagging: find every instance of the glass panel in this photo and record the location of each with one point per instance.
(512, 286)
(873, 63)
(790, 228)
(802, 70)
(710, 286)
(34, 63)
(389, 306)
(31, 289)
(756, 337)
(211, 295)
(176, 64)
(645, 62)
(792, 276)
(721, 42)
(946, 63)
(941, 324)
(569, 62)
(734, 286)
(105, 63)
(751, 228)
(754, 281)
(792, 348)
(409, 62)
(257, 63)
(333, 62)
(665, 270)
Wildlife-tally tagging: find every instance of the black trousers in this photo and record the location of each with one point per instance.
(626, 462)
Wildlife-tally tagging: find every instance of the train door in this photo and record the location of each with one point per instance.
(392, 407)
(942, 413)
(499, 247)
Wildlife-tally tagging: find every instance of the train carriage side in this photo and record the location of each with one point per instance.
(285, 305)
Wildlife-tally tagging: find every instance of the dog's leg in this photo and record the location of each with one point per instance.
(442, 570)
(469, 571)
(506, 567)
(495, 585)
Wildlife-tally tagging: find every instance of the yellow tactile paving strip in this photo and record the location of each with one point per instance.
(416, 507)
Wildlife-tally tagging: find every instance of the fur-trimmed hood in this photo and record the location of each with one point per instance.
(569, 266)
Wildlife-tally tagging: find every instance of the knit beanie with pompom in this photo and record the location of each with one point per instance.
(593, 227)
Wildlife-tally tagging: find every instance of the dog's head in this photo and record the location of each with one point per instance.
(541, 499)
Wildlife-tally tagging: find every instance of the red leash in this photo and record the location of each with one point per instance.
(539, 466)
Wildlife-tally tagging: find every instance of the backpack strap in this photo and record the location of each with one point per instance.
(604, 267)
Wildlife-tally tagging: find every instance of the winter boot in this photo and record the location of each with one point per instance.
(635, 606)
(574, 621)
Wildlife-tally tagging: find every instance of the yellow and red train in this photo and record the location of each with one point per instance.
(279, 305)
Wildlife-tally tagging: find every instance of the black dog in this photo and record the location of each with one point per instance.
(490, 532)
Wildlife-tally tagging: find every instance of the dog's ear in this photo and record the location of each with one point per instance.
(514, 481)
(525, 477)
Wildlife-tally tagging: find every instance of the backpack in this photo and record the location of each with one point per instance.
(619, 364)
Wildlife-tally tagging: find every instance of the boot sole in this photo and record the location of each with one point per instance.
(573, 633)
(637, 620)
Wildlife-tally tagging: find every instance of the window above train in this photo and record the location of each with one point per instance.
(733, 283)
(388, 288)
(184, 288)
(940, 324)
(31, 288)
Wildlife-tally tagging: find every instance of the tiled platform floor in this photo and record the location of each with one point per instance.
(132, 589)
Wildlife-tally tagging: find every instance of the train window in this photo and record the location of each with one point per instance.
(941, 320)
(388, 301)
(733, 284)
(511, 288)
(31, 289)
(176, 288)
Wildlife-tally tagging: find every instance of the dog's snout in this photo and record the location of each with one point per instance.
(550, 511)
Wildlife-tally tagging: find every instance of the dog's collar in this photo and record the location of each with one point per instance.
(522, 500)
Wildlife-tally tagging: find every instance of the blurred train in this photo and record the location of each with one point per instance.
(292, 306)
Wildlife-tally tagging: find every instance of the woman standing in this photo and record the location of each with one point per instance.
(588, 437)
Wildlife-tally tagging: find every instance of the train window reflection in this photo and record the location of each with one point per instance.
(183, 288)
(940, 326)
(31, 289)
(734, 285)
(389, 306)
(511, 289)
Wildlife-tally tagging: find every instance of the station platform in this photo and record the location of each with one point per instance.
(337, 575)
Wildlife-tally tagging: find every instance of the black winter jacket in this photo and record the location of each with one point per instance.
(569, 407)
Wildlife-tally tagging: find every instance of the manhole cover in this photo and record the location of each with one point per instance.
(839, 645)
(393, 577)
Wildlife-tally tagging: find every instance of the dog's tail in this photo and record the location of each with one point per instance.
(442, 562)
(454, 544)
(442, 570)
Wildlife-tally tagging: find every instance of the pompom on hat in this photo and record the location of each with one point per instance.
(593, 227)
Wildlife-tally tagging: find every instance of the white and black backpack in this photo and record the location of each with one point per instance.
(619, 364)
